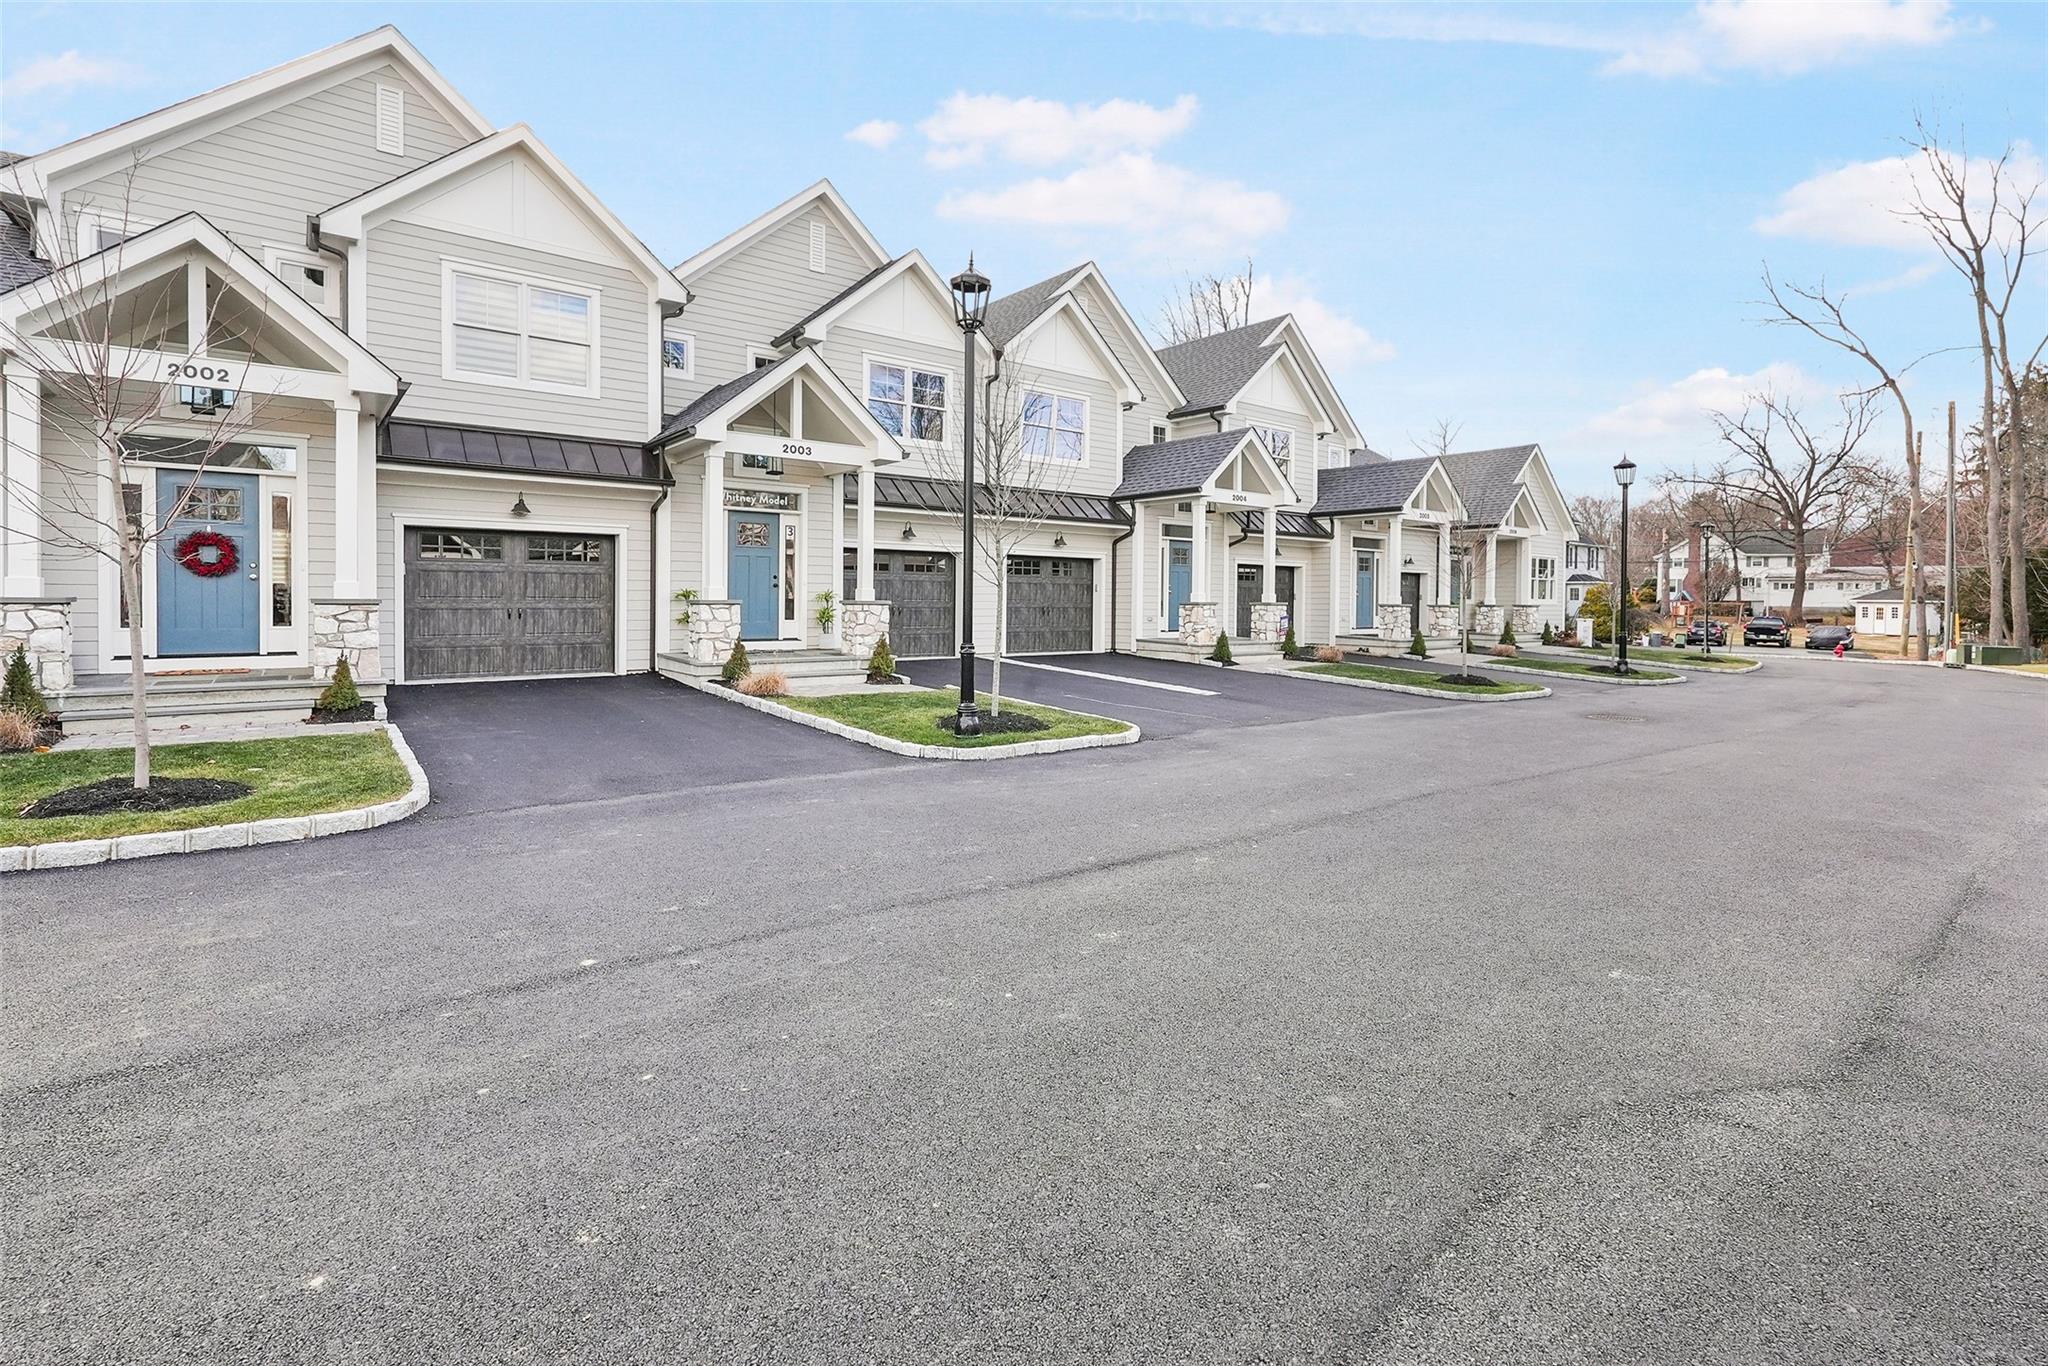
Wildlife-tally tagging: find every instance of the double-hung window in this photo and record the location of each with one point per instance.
(1055, 427)
(678, 351)
(1280, 442)
(1542, 578)
(511, 330)
(908, 402)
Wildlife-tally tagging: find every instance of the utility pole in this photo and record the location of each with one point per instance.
(1912, 617)
(1951, 638)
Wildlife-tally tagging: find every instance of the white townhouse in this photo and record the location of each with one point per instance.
(395, 367)
(1585, 564)
(1837, 574)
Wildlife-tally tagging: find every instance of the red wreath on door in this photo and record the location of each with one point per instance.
(189, 552)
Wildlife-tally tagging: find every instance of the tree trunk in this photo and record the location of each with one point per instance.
(1915, 615)
(995, 665)
(1994, 496)
(1799, 559)
(2016, 525)
(131, 580)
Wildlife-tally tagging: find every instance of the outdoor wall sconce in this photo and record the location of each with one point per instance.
(909, 532)
(1059, 542)
(519, 507)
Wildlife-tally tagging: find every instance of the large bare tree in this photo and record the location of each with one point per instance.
(1203, 305)
(1025, 456)
(1781, 467)
(96, 356)
(1981, 219)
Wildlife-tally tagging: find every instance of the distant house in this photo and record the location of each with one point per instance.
(1585, 564)
(1883, 613)
(1837, 575)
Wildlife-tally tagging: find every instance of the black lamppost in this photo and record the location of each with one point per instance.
(1624, 475)
(970, 306)
(1707, 586)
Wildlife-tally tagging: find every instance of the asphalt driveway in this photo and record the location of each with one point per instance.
(502, 746)
(1167, 698)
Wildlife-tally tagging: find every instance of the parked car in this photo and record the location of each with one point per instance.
(1767, 631)
(1706, 633)
(1828, 637)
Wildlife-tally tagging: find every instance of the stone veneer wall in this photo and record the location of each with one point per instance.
(1393, 621)
(1528, 618)
(1200, 623)
(42, 627)
(712, 630)
(346, 628)
(861, 624)
(1269, 621)
(1487, 620)
(1441, 619)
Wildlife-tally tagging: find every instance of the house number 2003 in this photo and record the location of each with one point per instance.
(209, 374)
(797, 448)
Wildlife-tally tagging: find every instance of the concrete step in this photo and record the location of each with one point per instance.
(100, 705)
(795, 664)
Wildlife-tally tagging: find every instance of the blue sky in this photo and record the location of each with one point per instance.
(1544, 223)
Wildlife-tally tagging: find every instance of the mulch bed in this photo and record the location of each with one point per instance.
(1469, 680)
(120, 794)
(1009, 723)
(361, 711)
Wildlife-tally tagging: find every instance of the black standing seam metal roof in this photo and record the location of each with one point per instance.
(912, 493)
(1383, 486)
(1179, 466)
(542, 453)
(1296, 524)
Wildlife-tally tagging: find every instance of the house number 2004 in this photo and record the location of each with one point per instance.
(204, 373)
(795, 448)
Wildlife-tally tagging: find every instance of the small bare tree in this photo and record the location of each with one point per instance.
(1203, 305)
(96, 351)
(1597, 517)
(1025, 457)
(1782, 468)
(1441, 438)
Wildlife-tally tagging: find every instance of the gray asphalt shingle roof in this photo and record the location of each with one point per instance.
(18, 263)
(684, 421)
(1381, 486)
(1182, 466)
(796, 328)
(1015, 311)
(1487, 481)
(1210, 370)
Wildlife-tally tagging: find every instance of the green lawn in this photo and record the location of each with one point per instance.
(1686, 657)
(300, 776)
(913, 715)
(1416, 678)
(1551, 664)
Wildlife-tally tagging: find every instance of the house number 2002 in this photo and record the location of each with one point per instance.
(186, 370)
(797, 448)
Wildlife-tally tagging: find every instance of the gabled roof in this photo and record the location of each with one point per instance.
(1382, 486)
(1128, 389)
(908, 492)
(19, 263)
(1211, 370)
(838, 301)
(823, 192)
(188, 231)
(1013, 312)
(349, 219)
(723, 402)
(1489, 481)
(1305, 355)
(814, 325)
(1187, 465)
(384, 42)
(542, 453)
(1930, 592)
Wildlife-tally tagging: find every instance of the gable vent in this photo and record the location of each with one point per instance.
(817, 245)
(391, 119)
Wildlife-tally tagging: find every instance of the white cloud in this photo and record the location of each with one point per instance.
(875, 133)
(1905, 279)
(1161, 207)
(1340, 341)
(1860, 204)
(1680, 408)
(965, 129)
(65, 72)
(1770, 35)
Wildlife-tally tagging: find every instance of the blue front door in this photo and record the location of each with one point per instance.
(209, 568)
(1180, 572)
(754, 541)
(1362, 616)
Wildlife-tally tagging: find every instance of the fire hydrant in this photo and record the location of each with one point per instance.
(1840, 649)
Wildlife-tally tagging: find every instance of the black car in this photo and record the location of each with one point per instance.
(1828, 637)
(1707, 633)
(1767, 631)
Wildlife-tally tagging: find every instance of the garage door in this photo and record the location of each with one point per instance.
(492, 604)
(1052, 605)
(919, 591)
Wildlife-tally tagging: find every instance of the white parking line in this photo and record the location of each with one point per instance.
(1111, 678)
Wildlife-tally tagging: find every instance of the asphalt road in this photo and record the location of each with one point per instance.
(1408, 1035)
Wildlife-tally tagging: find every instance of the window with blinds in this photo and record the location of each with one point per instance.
(521, 331)
(391, 119)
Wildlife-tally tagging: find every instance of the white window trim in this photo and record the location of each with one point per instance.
(689, 340)
(1087, 426)
(1537, 575)
(451, 267)
(277, 260)
(867, 377)
(1286, 463)
(91, 220)
(757, 355)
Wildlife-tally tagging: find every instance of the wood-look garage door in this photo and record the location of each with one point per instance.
(493, 604)
(919, 591)
(1052, 605)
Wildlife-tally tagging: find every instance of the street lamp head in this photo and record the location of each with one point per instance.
(1706, 528)
(1625, 472)
(970, 297)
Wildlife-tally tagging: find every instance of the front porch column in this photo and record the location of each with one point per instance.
(1389, 612)
(1198, 569)
(864, 536)
(1443, 560)
(1272, 549)
(1336, 563)
(353, 514)
(1141, 559)
(1492, 565)
(713, 587)
(21, 461)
